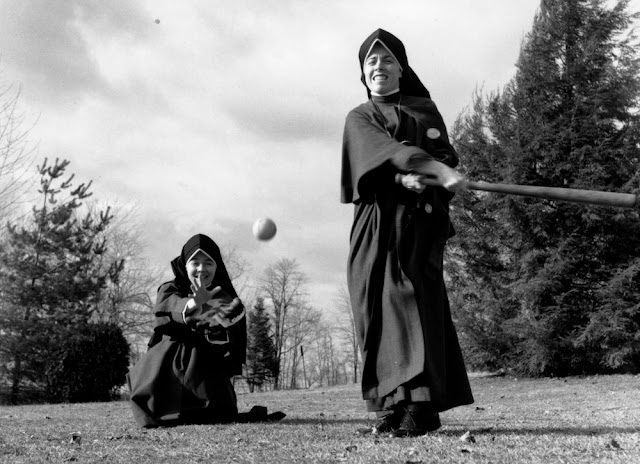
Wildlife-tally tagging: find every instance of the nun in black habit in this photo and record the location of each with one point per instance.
(198, 344)
(412, 363)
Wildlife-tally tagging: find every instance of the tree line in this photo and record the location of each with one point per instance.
(544, 287)
(291, 343)
(538, 287)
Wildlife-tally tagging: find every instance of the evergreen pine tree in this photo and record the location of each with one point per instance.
(52, 276)
(553, 287)
(261, 352)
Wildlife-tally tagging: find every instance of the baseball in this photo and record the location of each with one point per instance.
(264, 229)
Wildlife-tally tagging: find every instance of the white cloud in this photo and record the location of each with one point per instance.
(223, 112)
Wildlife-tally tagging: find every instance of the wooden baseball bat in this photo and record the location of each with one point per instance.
(590, 197)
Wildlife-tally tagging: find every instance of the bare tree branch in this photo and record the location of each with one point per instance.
(347, 328)
(16, 155)
(283, 284)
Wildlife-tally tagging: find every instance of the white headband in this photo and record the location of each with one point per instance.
(202, 251)
(386, 48)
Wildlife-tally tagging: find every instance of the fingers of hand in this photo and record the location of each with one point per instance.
(231, 309)
(412, 182)
(202, 295)
(200, 319)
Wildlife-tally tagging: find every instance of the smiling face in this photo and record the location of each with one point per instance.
(201, 268)
(381, 70)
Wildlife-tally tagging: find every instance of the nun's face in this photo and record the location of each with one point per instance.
(381, 71)
(201, 269)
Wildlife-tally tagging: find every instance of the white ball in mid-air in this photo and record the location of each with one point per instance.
(264, 229)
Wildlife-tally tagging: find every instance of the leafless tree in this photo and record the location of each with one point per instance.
(283, 284)
(327, 356)
(130, 300)
(238, 268)
(346, 327)
(301, 327)
(16, 154)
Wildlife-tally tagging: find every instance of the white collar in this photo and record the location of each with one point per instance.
(385, 94)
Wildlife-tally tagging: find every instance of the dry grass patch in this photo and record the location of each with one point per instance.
(573, 420)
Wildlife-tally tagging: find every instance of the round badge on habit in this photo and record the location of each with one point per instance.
(428, 208)
(433, 133)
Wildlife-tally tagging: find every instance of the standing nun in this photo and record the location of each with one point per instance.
(412, 362)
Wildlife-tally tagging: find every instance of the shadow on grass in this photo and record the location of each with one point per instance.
(330, 421)
(542, 429)
(461, 427)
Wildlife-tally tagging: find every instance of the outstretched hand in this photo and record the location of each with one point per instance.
(210, 317)
(444, 176)
(200, 293)
(203, 316)
(231, 310)
(412, 182)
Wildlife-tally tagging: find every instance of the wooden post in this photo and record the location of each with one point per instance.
(304, 369)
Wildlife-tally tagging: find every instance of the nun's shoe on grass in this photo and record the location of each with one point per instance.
(389, 422)
(416, 423)
(386, 423)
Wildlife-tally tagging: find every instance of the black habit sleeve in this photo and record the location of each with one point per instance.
(367, 147)
(171, 301)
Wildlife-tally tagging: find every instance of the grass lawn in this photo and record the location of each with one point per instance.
(586, 420)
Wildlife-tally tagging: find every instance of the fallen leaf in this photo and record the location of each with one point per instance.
(412, 456)
(614, 444)
(467, 437)
(76, 438)
(351, 448)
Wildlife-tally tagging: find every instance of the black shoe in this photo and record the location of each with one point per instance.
(259, 414)
(416, 423)
(389, 422)
(386, 423)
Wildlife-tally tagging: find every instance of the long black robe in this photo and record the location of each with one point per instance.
(182, 378)
(408, 342)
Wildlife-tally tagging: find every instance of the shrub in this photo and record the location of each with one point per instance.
(89, 364)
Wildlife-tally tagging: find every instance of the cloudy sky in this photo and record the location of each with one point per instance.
(209, 114)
